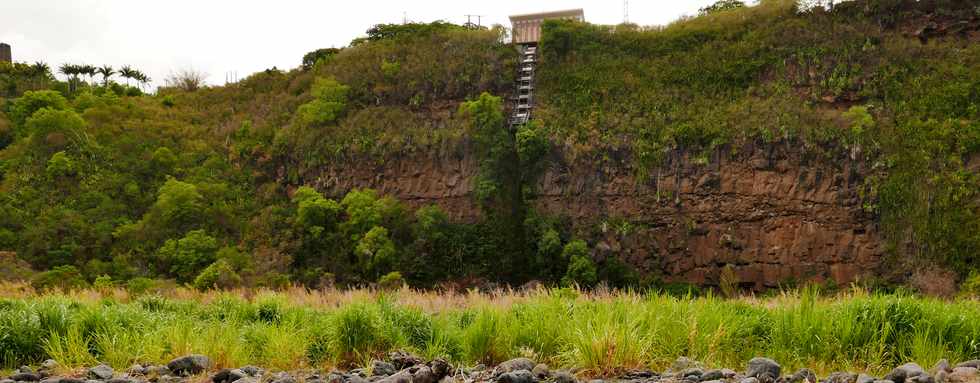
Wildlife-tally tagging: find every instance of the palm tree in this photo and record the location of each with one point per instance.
(126, 72)
(141, 78)
(71, 71)
(106, 72)
(40, 71)
(89, 70)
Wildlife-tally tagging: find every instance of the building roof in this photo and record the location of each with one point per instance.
(549, 15)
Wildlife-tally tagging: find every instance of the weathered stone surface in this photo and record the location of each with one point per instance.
(189, 365)
(783, 215)
(975, 363)
(842, 377)
(759, 367)
(25, 377)
(382, 368)
(864, 378)
(516, 364)
(516, 376)
(804, 376)
(100, 372)
(541, 371)
(400, 377)
(563, 376)
(228, 376)
(964, 375)
(712, 375)
(440, 368)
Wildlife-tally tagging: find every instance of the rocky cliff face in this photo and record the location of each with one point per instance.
(773, 212)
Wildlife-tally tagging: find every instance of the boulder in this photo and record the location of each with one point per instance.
(71, 380)
(842, 377)
(251, 371)
(227, 376)
(683, 363)
(749, 380)
(912, 370)
(158, 371)
(400, 377)
(864, 378)
(136, 369)
(517, 376)
(332, 377)
(283, 377)
(423, 374)
(804, 375)
(49, 365)
(5, 380)
(121, 380)
(759, 367)
(170, 379)
(100, 372)
(563, 376)
(897, 375)
(541, 371)
(970, 363)
(382, 368)
(942, 365)
(714, 381)
(712, 375)
(692, 373)
(964, 375)
(515, 364)
(403, 360)
(189, 365)
(25, 377)
(440, 368)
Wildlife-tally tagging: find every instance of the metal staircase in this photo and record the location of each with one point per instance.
(524, 96)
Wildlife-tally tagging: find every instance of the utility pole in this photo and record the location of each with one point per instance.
(626, 11)
(479, 20)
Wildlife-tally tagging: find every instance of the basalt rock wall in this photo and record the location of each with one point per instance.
(774, 212)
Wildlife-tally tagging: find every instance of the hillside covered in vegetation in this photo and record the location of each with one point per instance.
(289, 177)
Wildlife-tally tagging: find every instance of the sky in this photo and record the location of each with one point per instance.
(222, 38)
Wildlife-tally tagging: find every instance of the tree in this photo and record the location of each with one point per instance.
(721, 5)
(375, 252)
(51, 130)
(328, 105)
(88, 70)
(60, 165)
(40, 73)
(71, 71)
(127, 73)
(314, 212)
(187, 256)
(581, 269)
(178, 208)
(33, 101)
(219, 275)
(106, 71)
(187, 79)
(310, 59)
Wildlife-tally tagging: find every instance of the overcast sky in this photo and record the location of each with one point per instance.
(245, 36)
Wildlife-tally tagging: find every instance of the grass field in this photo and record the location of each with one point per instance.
(599, 332)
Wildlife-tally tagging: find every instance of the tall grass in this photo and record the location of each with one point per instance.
(600, 333)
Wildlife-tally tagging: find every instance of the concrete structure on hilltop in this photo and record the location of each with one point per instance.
(5, 53)
(527, 28)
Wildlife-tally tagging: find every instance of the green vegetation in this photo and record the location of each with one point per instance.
(601, 334)
(225, 186)
(834, 83)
